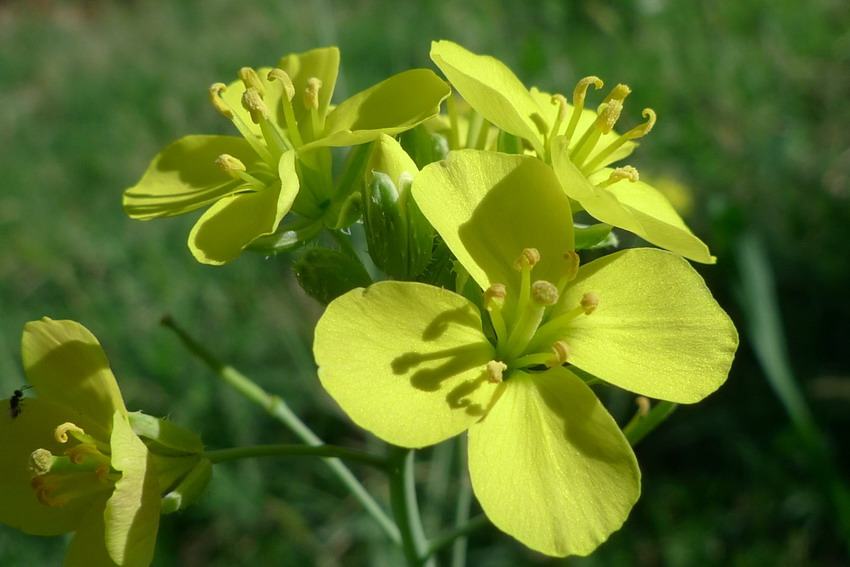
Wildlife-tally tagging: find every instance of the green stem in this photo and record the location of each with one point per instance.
(452, 535)
(329, 451)
(405, 508)
(279, 410)
(641, 425)
(464, 502)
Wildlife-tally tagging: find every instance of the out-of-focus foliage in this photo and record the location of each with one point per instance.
(753, 106)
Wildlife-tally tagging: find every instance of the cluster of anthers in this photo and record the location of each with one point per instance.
(83, 470)
(526, 333)
(275, 138)
(581, 145)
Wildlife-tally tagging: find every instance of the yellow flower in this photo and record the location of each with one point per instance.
(71, 461)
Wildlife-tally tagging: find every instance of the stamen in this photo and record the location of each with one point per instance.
(619, 174)
(495, 371)
(61, 432)
(311, 93)
(218, 102)
(79, 452)
(253, 102)
(222, 107)
(41, 460)
(251, 80)
(609, 113)
(620, 92)
(237, 170)
(544, 293)
(494, 297)
(572, 262)
(282, 76)
(638, 131)
(589, 302)
(529, 257)
(579, 94)
(44, 486)
(561, 352)
(643, 405)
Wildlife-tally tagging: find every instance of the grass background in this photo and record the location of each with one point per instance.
(753, 99)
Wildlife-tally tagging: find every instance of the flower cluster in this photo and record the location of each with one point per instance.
(489, 316)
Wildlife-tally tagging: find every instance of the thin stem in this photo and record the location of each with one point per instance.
(641, 425)
(279, 410)
(464, 501)
(330, 451)
(405, 508)
(450, 536)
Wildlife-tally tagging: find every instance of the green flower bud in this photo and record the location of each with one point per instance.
(326, 274)
(398, 235)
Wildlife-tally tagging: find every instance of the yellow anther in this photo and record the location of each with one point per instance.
(573, 260)
(528, 257)
(643, 405)
(282, 76)
(561, 101)
(41, 460)
(495, 371)
(44, 486)
(580, 92)
(230, 164)
(625, 172)
(609, 113)
(254, 104)
(561, 352)
(544, 293)
(620, 92)
(311, 92)
(61, 432)
(77, 453)
(215, 99)
(102, 473)
(251, 80)
(642, 129)
(495, 292)
(589, 302)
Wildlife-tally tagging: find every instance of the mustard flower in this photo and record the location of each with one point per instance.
(71, 461)
(578, 142)
(282, 160)
(416, 364)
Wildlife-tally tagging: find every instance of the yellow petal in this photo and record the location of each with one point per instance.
(405, 361)
(88, 546)
(657, 330)
(132, 513)
(66, 364)
(550, 466)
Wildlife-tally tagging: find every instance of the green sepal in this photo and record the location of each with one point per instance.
(189, 489)
(326, 274)
(595, 236)
(423, 146)
(163, 437)
(287, 237)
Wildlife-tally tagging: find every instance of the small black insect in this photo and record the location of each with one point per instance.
(16, 405)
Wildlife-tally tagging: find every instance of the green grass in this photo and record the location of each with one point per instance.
(753, 113)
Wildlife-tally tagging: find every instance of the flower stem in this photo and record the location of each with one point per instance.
(642, 424)
(279, 409)
(329, 451)
(454, 534)
(405, 508)
(464, 501)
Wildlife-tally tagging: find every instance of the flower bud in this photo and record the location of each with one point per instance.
(397, 233)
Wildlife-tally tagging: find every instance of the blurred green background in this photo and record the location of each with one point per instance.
(753, 99)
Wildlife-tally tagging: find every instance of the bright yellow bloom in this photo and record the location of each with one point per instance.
(416, 364)
(71, 461)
